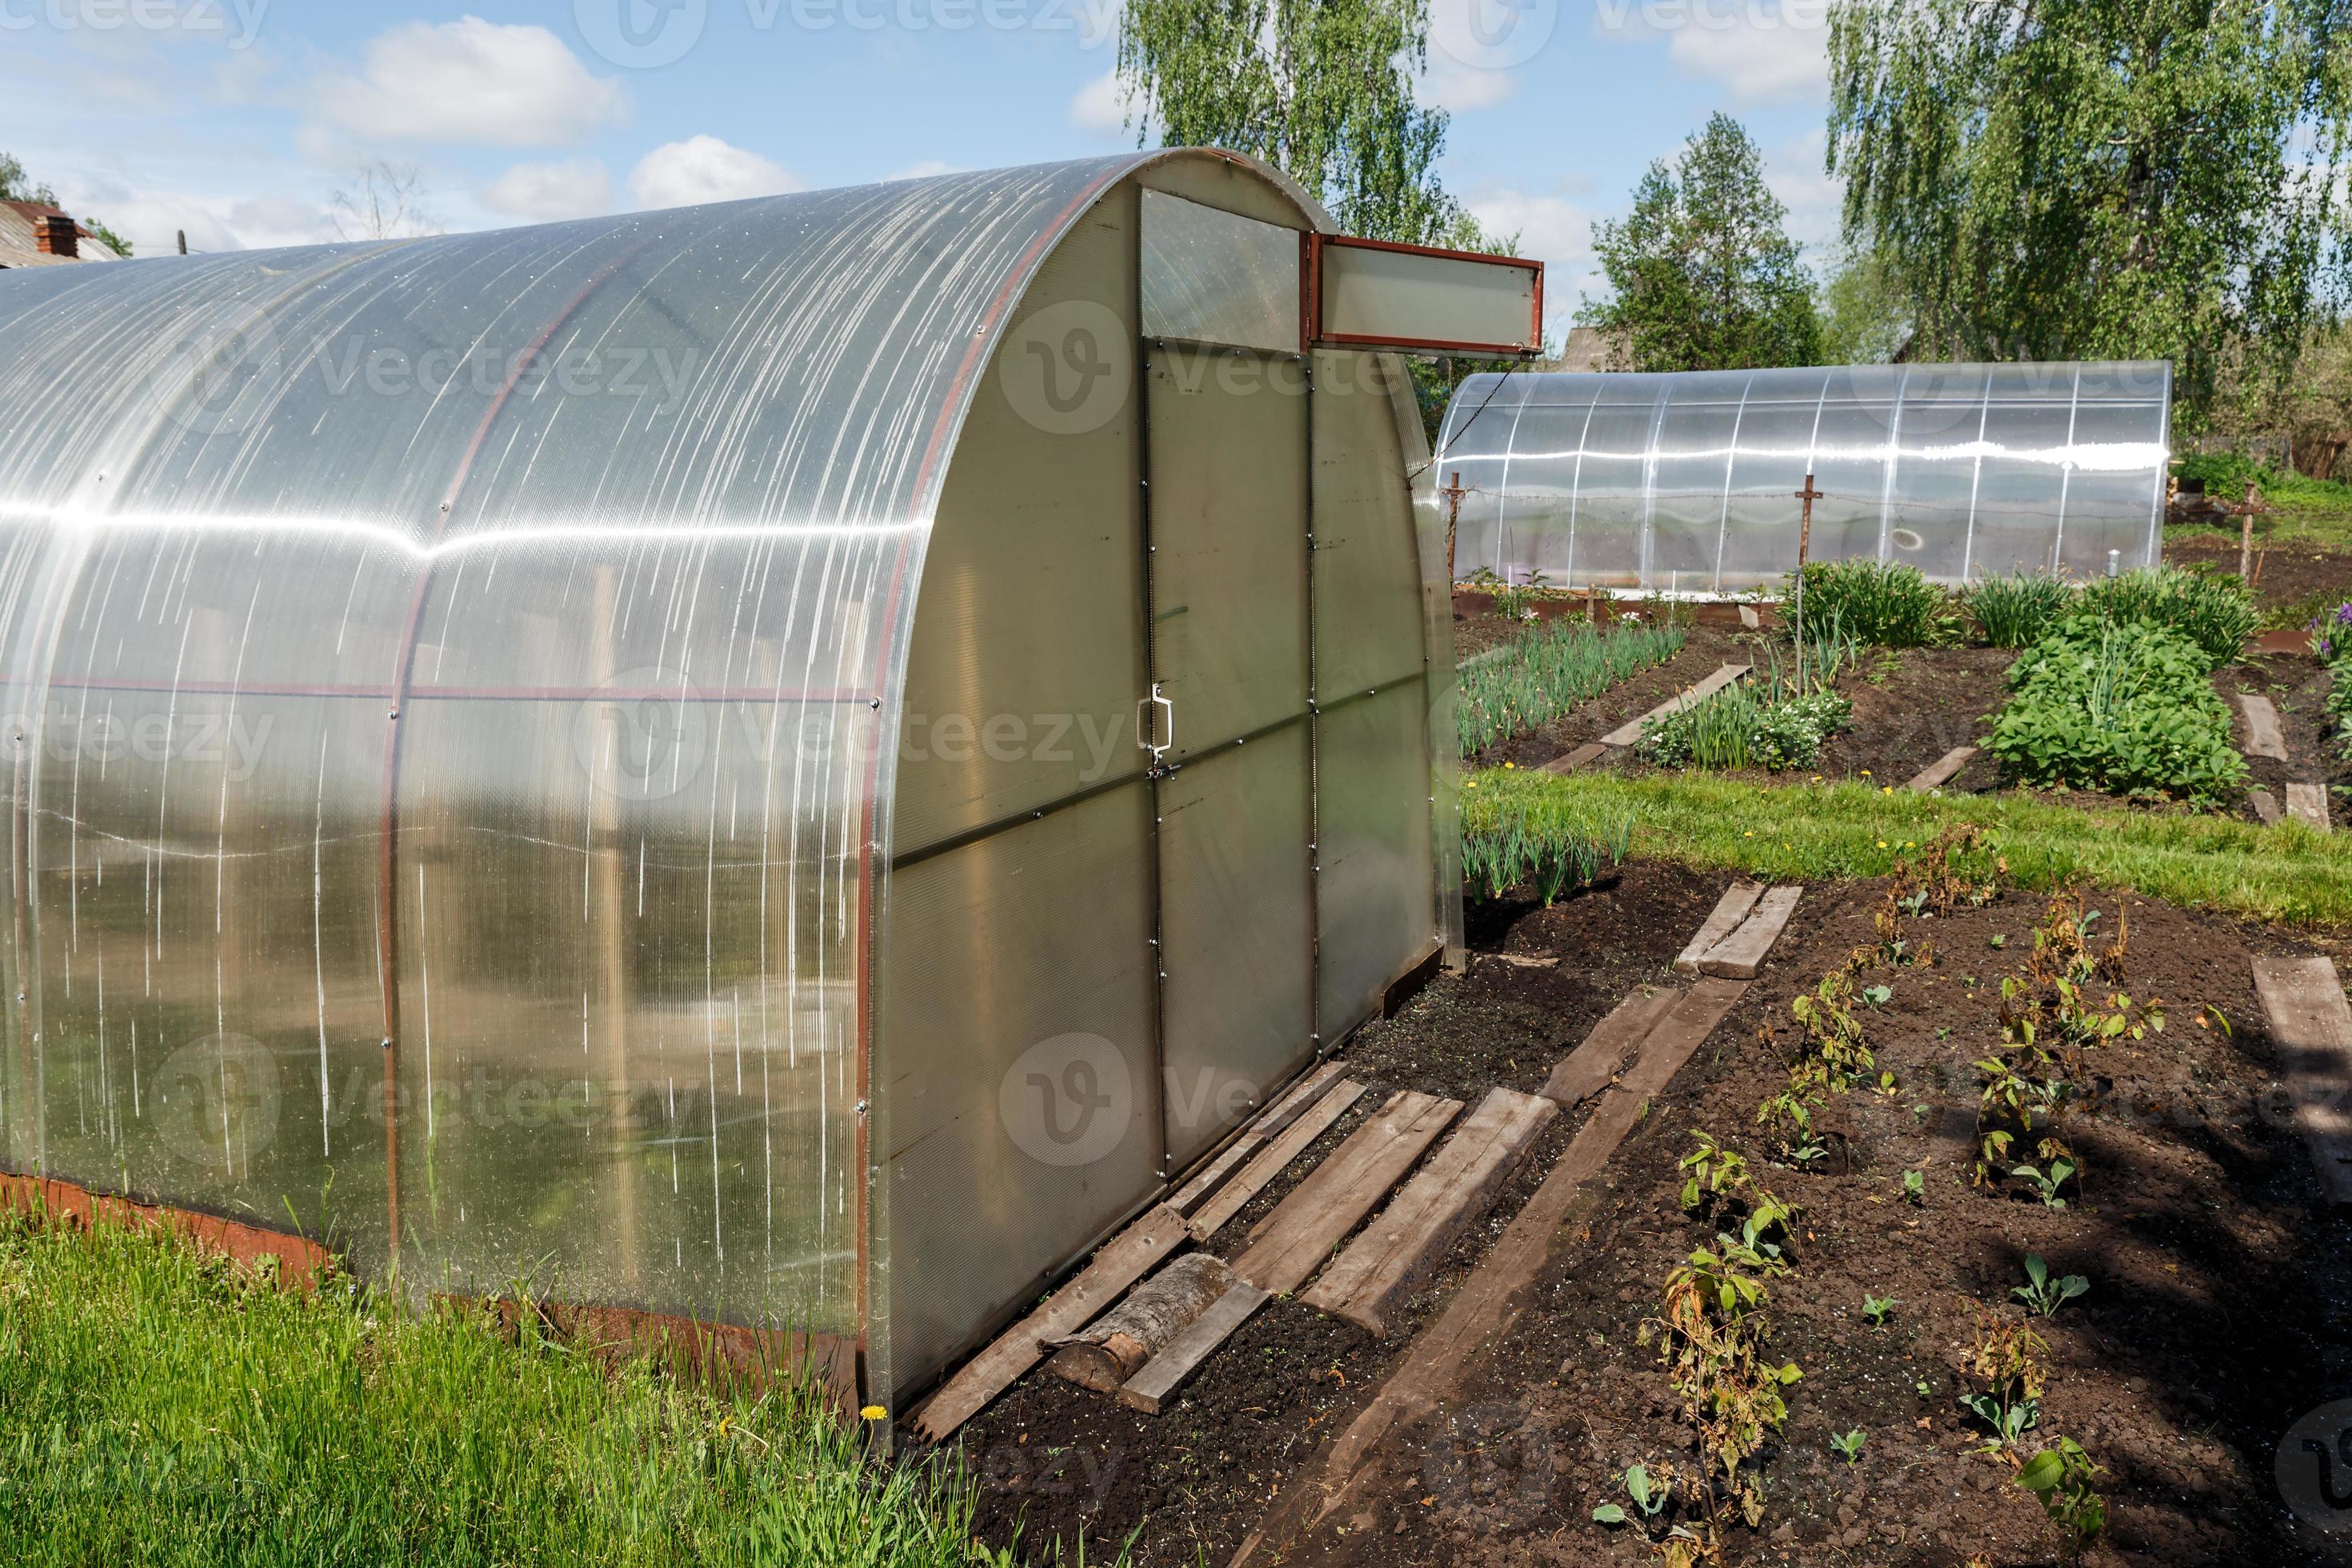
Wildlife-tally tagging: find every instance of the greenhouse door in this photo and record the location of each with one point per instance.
(1229, 722)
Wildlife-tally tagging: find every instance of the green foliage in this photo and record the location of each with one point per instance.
(163, 1407)
(2059, 1480)
(1742, 726)
(1510, 841)
(115, 242)
(2097, 179)
(1915, 1188)
(1848, 1444)
(2018, 612)
(2045, 1292)
(1548, 669)
(1866, 310)
(16, 186)
(2217, 613)
(2046, 1184)
(1877, 1311)
(1650, 1497)
(1701, 274)
(2129, 709)
(1323, 90)
(1884, 605)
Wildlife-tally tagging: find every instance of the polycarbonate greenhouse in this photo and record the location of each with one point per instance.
(793, 761)
(1686, 483)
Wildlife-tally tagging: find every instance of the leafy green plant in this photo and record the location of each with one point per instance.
(2047, 1182)
(1915, 1188)
(1531, 841)
(1788, 1118)
(2012, 1363)
(2044, 1293)
(2126, 709)
(1548, 670)
(2059, 1480)
(2217, 613)
(2014, 612)
(1649, 1496)
(1877, 1311)
(1832, 1035)
(1742, 726)
(1885, 604)
(1848, 1444)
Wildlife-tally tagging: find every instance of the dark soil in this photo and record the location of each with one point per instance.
(2285, 577)
(1914, 706)
(1475, 635)
(2296, 685)
(2219, 1307)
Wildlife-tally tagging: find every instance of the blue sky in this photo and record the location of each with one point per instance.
(239, 120)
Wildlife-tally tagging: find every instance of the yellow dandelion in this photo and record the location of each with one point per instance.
(1887, 789)
(1865, 773)
(1509, 766)
(875, 1412)
(1882, 843)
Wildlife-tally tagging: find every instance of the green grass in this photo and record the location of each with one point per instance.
(159, 1407)
(2312, 512)
(2290, 873)
(1544, 672)
(1513, 839)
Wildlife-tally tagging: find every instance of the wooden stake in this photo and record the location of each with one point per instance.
(1808, 495)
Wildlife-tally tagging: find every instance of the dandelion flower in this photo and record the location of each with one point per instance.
(875, 1412)
(1865, 773)
(1882, 843)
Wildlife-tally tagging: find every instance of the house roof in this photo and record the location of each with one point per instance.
(19, 246)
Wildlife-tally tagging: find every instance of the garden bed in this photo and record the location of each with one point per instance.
(2220, 1306)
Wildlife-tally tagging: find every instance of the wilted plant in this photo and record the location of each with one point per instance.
(2012, 1363)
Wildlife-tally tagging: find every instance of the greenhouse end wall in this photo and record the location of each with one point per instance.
(1688, 483)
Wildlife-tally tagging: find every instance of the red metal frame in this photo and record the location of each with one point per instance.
(1310, 287)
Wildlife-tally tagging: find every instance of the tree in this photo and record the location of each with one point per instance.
(1701, 273)
(2128, 179)
(1866, 310)
(384, 201)
(1322, 89)
(15, 186)
(114, 241)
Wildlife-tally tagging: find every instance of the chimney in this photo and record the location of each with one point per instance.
(54, 235)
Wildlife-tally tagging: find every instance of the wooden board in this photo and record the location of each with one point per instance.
(1585, 1070)
(1284, 1110)
(1293, 1241)
(2266, 806)
(1739, 956)
(1397, 1251)
(2308, 803)
(1937, 774)
(1125, 1259)
(1439, 1361)
(1737, 904)
(2263, 737)
(1150, 1389)
(1626, 734)
(2311, 1028)
(1268, 1163)
(1592, 750)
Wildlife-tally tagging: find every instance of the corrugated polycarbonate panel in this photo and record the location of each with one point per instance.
(1373, 849)
(449, 677)
(1368, 610)
(1214, 277)
(1687, 483)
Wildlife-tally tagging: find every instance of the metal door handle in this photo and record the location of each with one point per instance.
(1147, 733)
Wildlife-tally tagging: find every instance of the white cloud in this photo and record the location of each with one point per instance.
(1814, 197)
(1552, 230)
(470, 81)
(1758, 51)
(1100, 107)
(704, 169)
(547, 192)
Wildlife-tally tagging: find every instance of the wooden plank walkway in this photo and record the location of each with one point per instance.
(1293, 1241)
(1284, 1110)
(1592, 750)
(1121, 1262)
(1626, 734)
(1397, 1251)
(1938, 774)
(2311, 1028)
(2263, 737)
(1739, 956)
(1585, 1070)
(1735, 905)
(1270, 1161)
(2308, 803)
(1150, 1389)
(1439, 1361)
